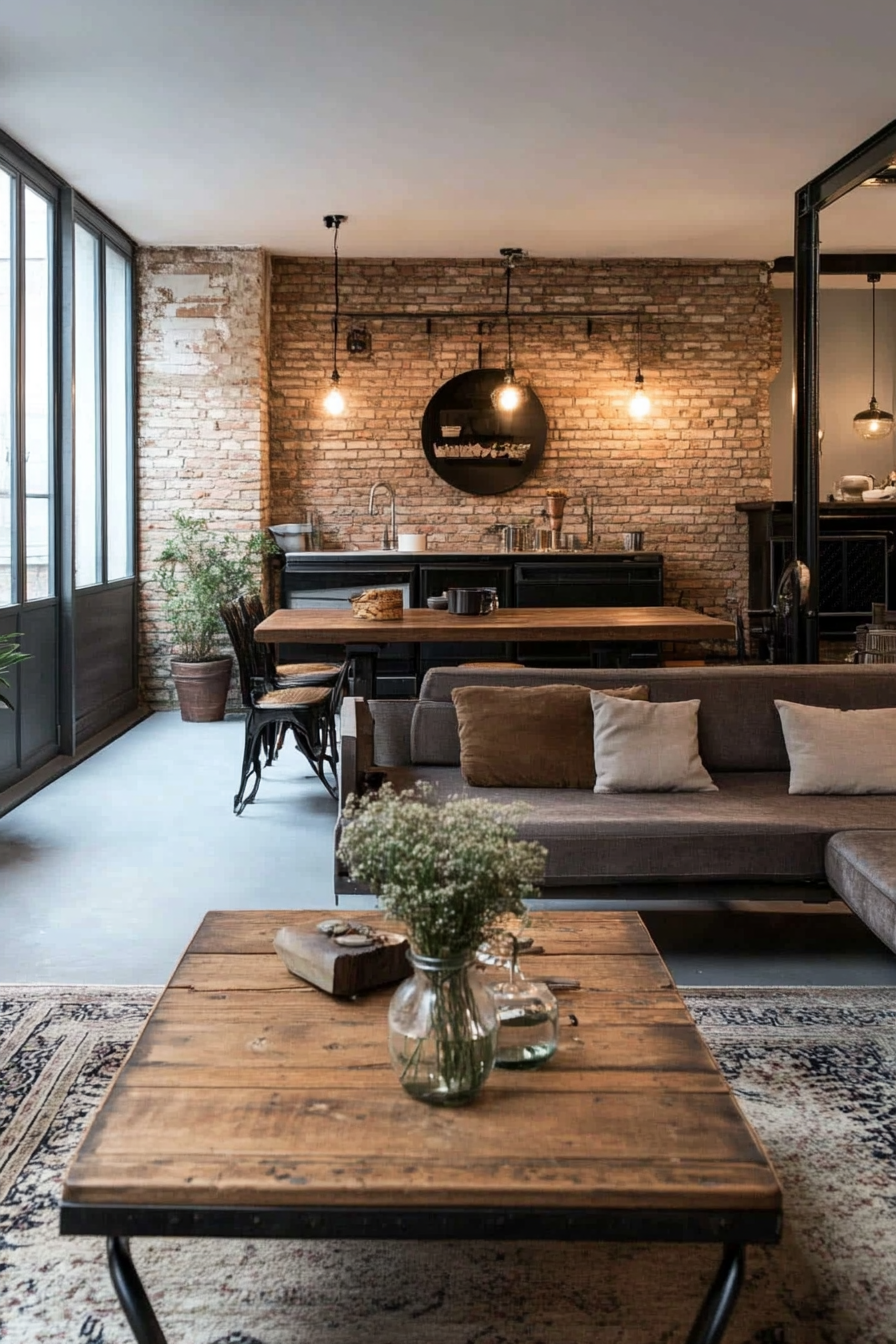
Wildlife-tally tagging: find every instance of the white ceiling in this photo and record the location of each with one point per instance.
(455, 127)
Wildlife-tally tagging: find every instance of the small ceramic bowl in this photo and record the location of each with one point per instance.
(437, 603)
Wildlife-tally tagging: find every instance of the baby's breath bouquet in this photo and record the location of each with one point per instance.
(449, 872)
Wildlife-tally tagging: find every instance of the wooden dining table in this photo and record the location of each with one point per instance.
(361, 638)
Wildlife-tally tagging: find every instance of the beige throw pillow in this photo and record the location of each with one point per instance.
(839, 750)
(528, 737)
(647, 748)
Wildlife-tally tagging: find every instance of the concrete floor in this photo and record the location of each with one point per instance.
(106, 872)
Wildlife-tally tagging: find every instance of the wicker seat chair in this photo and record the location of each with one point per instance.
(297, 674)
(308, 710)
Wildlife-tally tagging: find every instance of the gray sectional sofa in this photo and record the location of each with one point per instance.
(750, 838)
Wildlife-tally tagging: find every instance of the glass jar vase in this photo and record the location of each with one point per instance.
(528, 1018)
(443, 1030)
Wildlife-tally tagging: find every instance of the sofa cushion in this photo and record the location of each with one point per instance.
(739, 726)
(861, 867)
(643, 748)
(839, 751)
(529, 736)
(751, 829)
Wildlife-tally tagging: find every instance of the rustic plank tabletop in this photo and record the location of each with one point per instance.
(254, 1105)
(600, 624)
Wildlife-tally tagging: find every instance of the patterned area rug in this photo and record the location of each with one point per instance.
(815, 1071)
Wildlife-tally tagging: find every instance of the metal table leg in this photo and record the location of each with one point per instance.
(363, 658)
(720, 1301)
(131, 1293)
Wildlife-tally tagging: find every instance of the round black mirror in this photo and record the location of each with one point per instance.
(475, 447)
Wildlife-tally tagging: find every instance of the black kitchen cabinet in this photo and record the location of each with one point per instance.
(537, 579)
(435, 579)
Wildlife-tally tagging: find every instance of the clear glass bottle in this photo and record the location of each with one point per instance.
(528, 1019)
(443, 1030)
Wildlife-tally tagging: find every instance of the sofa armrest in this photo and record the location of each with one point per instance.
(356, 752)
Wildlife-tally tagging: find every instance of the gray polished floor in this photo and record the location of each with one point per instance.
(105, 873)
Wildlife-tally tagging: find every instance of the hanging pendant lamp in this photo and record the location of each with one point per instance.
(873, 423)
(510, 394)
(334, 401)
(639, 406)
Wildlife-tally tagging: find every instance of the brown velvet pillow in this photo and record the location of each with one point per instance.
(529, 737)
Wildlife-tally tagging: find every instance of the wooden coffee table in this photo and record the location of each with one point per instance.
(253, 1105)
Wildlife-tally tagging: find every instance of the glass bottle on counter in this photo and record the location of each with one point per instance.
(528, 1017)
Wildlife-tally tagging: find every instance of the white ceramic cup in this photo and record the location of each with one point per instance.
(412, 541)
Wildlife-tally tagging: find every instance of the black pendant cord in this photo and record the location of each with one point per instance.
(640, 375)
(873, 337)
(507, 274)
(335, 299)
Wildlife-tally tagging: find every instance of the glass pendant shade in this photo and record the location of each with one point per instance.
(873, 423)
(509, 395)
(639, 406)
(334, 401)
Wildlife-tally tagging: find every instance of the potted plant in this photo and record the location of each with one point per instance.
(198, 570)
(9, 656)
(448, 872)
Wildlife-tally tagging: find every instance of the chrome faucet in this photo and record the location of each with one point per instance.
(589, 522)
(389, 542)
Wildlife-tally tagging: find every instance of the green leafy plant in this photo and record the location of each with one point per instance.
(9, 656)
(198, 570)
(448, 871)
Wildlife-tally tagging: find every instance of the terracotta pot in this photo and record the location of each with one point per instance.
(202, 688)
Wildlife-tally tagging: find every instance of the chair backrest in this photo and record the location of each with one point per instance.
(254, 659)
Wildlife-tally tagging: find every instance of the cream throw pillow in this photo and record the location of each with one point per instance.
(839, 750)
(647, 748)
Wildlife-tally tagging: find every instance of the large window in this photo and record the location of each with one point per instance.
(102, 413)
(38, 383)
(66, 465)
(7, 573)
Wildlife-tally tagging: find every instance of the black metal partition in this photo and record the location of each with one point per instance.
(868, 159)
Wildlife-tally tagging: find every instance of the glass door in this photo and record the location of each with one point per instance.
(28, 444)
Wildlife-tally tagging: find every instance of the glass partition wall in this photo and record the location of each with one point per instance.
(67, 584)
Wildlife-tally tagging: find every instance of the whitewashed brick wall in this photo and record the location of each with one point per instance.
(203, 441)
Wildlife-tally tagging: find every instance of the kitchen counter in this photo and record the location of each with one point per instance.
(295, 559)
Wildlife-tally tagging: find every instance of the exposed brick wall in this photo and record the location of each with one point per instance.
(203, 436)
(711, 344)
(220, 441)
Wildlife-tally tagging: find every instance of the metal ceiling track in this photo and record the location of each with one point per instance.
(867, 160)
(550, 315)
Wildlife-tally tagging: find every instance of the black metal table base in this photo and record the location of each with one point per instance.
(708, 1328)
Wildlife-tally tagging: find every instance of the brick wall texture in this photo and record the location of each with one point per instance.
(710, 347)
(235, 356)
(203, 434)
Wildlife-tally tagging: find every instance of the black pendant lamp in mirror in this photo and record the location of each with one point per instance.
(873, 423)
(334, 401)
(510, 394)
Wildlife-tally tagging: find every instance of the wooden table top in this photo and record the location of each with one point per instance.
(249, 1088)
(326, 626)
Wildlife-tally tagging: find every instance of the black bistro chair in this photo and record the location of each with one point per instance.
(308, 710)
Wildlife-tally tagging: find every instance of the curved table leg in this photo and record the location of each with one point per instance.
(720, 1301)
(131, 1293)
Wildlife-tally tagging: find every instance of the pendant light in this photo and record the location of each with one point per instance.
(510, 394)
(873, 423)
(334, 401)
(639, 406)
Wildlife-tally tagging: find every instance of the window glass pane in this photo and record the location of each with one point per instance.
(119, 550)
(38, 397)
(88, 564)
(7, 578)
